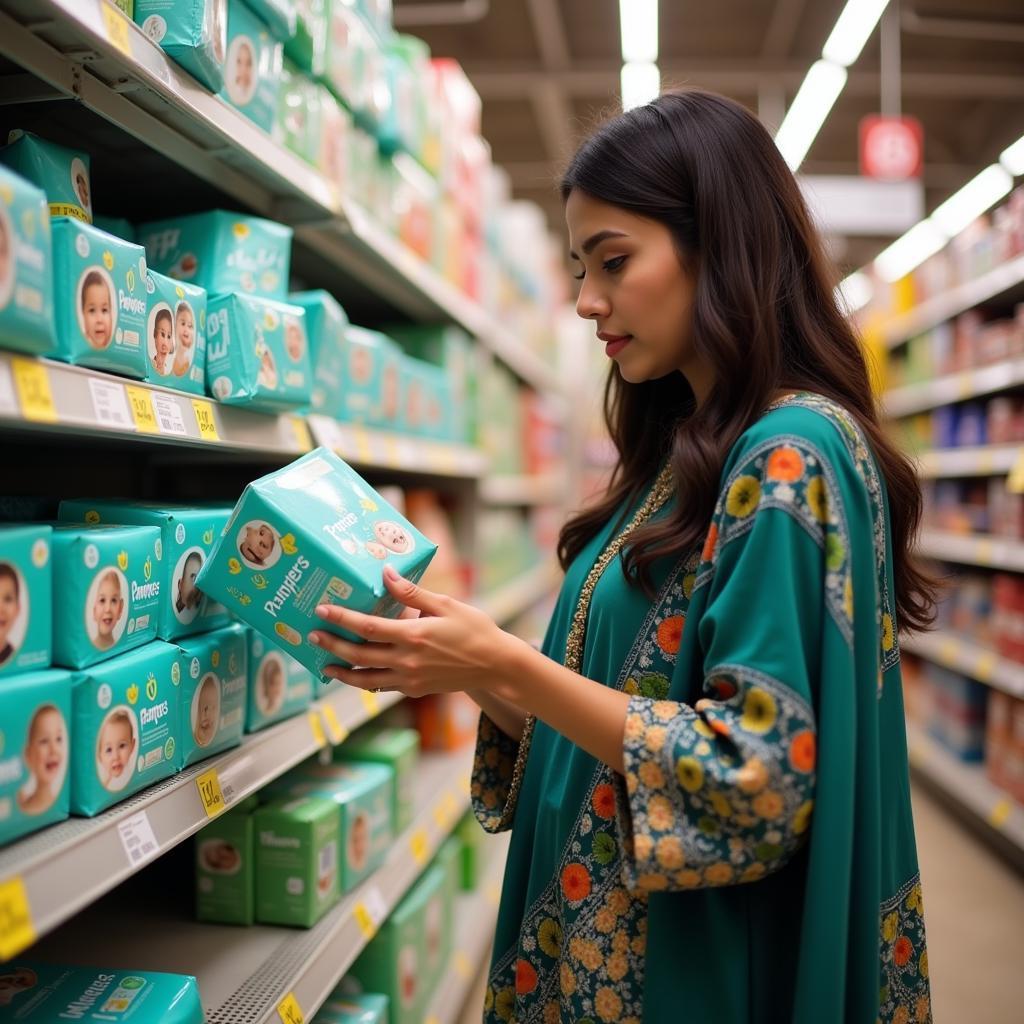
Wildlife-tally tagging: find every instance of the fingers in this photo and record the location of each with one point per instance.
(366, 655)
(369, 627)
(363, 678)
(412, 595)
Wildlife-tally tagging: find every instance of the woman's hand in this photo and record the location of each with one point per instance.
(450, 646)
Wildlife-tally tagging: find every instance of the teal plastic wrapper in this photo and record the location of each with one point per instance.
(100, 299)
(62, 173)
(326, 327)
(26, 271)
(297, 125)
(252, 70)
(426, 401)
(35, 993)
(257, 354)
(213, 690)
(368, 1008)
(175, 334)
(187, 536)
(26, 599)
(372, 392)
(279, 686)
(106, 594)
(119, 227)
(193, 33)
(125, 726)
(308, 47)
(226, 870)
(280, 16)
(35, 724)
(312, 533)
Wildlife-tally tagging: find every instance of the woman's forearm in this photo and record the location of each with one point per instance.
(505, 715)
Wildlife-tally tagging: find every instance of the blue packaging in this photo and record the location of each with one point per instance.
(26, 599)
(176, 334)
(193, 33)
(252, 72)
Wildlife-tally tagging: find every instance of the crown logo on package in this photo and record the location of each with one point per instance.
(147, 568)
(108, 259)
(151, 687)
(122, 561)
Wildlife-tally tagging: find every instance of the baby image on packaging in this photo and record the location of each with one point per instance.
(80, 183)
(97, 314)
(160, 338)
(16, 981)
(184, 338)
(105, 608)
(46, 760)
(6, 257)
(13, 611)
(205, 714)
(268, 368)
(294, 338)
(359, 841)
(220, 857)
(242, 74)
(270, 684)
(259, 544)
(116, 747)
(187, 596)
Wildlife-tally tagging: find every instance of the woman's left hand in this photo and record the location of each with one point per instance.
(451, 646)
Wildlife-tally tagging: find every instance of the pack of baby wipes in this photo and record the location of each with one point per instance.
(175, 334)
(252, 70)
(193, 33)
(62, 173)
(279, 686)
(326, 327)
(26, 598)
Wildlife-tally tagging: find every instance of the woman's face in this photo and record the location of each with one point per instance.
(635, 289)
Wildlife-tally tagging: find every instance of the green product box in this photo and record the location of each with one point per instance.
(252, 71)
(256, 353)
(345, 57)
(193, 33)
(128, 6)
(335, 140)
(471, 837)
(280, 16)
(311, 533)
(187, 536)
(35, 785)
(26, 598)
(308, 47)
(37, 993)
(279, 686)
(225, 870)
(62, 173)
(26, 274)
(296, 860)
(399, 749)
(297, 125)
(175, 334)
(125, 726)
(214, 679)
(342, 1008)
(106, 594)
(326, 327)
(372, 392)
(449, 858)
(100, 299)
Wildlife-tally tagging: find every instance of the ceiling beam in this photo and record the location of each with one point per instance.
(778, 40)
(551, 106)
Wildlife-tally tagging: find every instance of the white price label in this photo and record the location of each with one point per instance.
(110, 404)
(8, 399)
(326, 432)
(376, 906)
(168, 415)
(138, 839)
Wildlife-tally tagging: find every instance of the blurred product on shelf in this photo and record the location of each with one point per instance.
(506, 547)
(364, 1008)
(326, 328)
(226, 868)
(119, 227)
(446, 721)
(26, 598)
(950, 706)
(175, 334)
(307, 47)
(252, 67)
(372, 395)
(447, 573)
(62, 173)
(279, 686)
(1004, 744)
(471, 839)
(399, 749)
(193, 33)
(280, 16)
(985, 506)
(501, 417)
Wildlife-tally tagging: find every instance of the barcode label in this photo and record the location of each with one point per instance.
(109, 404)
(138, 839)
(168, 415)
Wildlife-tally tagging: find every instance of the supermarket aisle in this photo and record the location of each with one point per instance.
(974, 911)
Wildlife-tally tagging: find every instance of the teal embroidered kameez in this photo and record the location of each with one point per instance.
(756, 863)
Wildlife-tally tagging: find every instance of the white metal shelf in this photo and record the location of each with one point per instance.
(986, 460)
(65, 867)
(973, 549)
(549, 489)
(511, 600)
(961, 655)
(244, 974)
(954, 387)
(997, 283)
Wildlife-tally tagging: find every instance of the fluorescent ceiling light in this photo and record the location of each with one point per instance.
(910, 250)
(854, 292)
(641, 83)
(819, 91)
(638, 21)
(1012, 158)
(852, 30)
(980, 193)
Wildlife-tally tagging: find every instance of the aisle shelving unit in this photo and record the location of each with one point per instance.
(983, 460)
(968, 658)
(954, 387)
(524, 490)
(973, 549)
(521, 594)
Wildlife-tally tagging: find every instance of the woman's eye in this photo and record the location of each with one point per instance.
(613, 264)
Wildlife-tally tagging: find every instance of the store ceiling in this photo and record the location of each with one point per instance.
(549, 69)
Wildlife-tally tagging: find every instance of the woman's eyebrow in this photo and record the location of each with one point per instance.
(595, 240)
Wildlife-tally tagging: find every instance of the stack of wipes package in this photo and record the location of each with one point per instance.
(26, 274)
(35, 789)
(187, 535)
(256, 353)
(35, 993)
(107, 582)
(213, 685)
(26, 598)
(100, 298)
(252, 71)
(225, 867)
(175, 334)
(368, 1008)
(61, 173)
(326, 326)
(312, 533)
(125, 726)
(371, 395)
(193, 33)
(279, 686)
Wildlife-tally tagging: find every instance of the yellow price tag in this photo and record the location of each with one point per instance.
(370, 702)
(289, 1010)
(117, 27)
(984, 552)
(985, 667)
(494, 894)
(17, 932)
(1015, 481)
(364, 453)
(142, 410)
(392, 453)
(948, 650)
(205, 420)
(366, 923)
(335, 729)
(34, 395)
(420, 846)
(317, 729)
(208, 785)
(300, 430)
(1000, 814)
(462, 965)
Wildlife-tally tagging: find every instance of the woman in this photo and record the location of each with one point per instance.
(706, 767)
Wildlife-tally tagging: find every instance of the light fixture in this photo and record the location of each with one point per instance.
(1012, 158)
(641, 83)
(972, 200)
(854, 292)
(818, 92)
(910, 250)
(851, 32)
(638, 21)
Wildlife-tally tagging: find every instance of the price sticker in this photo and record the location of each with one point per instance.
(138, 839)
(965, 386)
(948, 651)
(117, 28)
(32, 382)
(494, 894)
(17, 932)
(1000, 813)
(985, 552)
(370, 702)
(420, 846)
(366, 923)
(300, 431)
(317, 729)
(1015, 481)
(392, 452)
(142, 410)
(210, 793)
(109, 405)
(463, 966)
(335, 729)
(432, 1019)
(985, 667)
(364, 450)
(205, 420)
(289, 1010)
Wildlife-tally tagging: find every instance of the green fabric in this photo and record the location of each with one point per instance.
(756, 863)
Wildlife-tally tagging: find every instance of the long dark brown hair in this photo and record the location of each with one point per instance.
(765, 318)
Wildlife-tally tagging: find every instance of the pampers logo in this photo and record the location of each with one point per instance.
(150, 716)
(130, 304)
(145, 591)
(289, 587)
(78, 1008)
(338, 530)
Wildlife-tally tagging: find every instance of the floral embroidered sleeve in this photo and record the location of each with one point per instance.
(721, 792)
(497, 772)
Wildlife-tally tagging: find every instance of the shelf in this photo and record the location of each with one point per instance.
(973, 549)
(515, 598)
(955, 387)
(245, 973)
(986, 460)
(1005, 282)
(961, 655)
(549, 489)
(69, 865)
(969, 789)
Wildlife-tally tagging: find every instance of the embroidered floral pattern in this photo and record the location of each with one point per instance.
(493, 768)
(904, 995)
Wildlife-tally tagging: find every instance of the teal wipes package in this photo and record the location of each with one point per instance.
(252, 71)
(125, 726)
(326, 326)
(35, 787)
(119, 227)
(100, 299)
(26, 272)
(340, 1008)
(106, 593)
(222, 252)
(426, 399)
(175, 334)
(187, 535)
(280, 16)
(193, 33)
(26, 599)
(312, 533)
(279, 686)
(256, 353)
(36, 993)
(62, 173)
(371, 395)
